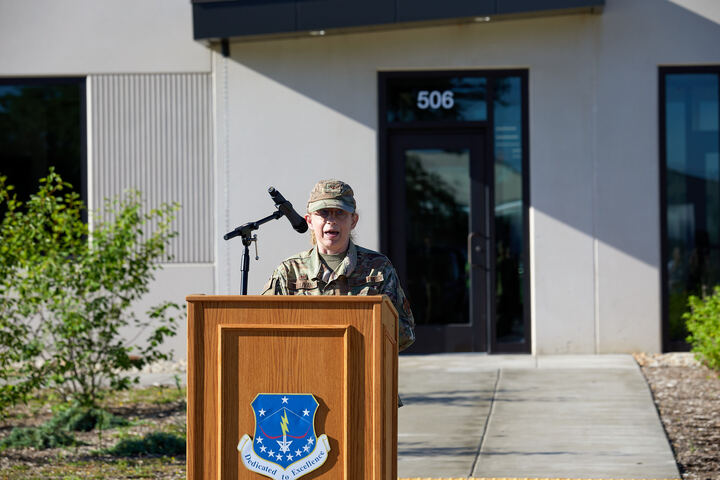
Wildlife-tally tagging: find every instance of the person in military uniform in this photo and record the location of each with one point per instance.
(335, 265)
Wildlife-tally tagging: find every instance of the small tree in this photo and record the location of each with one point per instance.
(66, 291)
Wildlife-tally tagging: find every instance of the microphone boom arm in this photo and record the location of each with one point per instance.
(284, 208)
(245, 231)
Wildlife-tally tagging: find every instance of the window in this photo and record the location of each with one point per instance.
(42, 125)
(690, 191)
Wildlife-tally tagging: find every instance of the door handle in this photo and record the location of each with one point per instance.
(477, 249)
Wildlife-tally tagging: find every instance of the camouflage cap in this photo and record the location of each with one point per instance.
(331, 194)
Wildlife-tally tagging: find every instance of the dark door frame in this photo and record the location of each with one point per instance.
(385, 131)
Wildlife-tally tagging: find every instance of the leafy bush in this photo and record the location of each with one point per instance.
(156, 443)
(66, 290)
(703, 323)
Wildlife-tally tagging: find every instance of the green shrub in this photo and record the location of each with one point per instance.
(703, 323)
(66, 291)
(39, 438)
(56, 431)
(156, 443)
(83, 419)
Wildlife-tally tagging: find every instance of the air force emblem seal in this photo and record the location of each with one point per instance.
(285, 446)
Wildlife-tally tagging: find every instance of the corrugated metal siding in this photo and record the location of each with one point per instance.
(153, 133)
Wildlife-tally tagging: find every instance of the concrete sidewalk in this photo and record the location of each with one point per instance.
(519, 416)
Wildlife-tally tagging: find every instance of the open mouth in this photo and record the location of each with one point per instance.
(331, 233)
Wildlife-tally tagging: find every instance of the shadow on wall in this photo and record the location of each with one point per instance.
(317, 69)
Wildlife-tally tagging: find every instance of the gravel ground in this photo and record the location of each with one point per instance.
(687, 396)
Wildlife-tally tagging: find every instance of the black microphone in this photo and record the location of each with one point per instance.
(297, 222)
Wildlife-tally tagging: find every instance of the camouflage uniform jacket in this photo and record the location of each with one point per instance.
(362, 272)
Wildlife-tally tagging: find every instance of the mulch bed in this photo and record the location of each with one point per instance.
(687, 397)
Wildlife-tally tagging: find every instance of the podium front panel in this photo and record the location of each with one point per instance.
(342, 350)
(303, 359)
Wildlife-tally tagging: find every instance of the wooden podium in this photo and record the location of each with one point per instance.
(342, 350)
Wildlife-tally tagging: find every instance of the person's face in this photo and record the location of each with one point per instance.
(332, 227)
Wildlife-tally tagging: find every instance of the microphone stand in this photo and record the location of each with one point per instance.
(245, 231)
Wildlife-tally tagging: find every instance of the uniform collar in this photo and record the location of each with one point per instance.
(321, 272)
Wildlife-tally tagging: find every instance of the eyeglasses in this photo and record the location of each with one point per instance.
(336, 213)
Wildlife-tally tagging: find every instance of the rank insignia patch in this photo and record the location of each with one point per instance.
(284, 446)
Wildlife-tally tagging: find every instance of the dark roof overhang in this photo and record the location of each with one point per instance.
(237, 20)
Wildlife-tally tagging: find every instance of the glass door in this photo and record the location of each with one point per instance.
(454, 197)
(440, 244)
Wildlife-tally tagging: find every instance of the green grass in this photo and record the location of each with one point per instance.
(102, 468)
(161, 395)
(48, 401)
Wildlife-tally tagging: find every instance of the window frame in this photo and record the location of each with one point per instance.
(81, 83)
(669, 345)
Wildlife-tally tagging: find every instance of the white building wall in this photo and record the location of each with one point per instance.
(303, 109)
(174, 282)
(637, 37)
(292, 111)
(80, 37)
(288, 112)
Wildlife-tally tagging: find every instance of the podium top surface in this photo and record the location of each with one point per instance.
(199, 297)
(301, 299)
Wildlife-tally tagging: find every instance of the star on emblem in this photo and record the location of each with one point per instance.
(284, 399)
(262, 448)
(306, 412)
(306, 448)
(271, 453)
(289, 456)
(284, 445)
(261, 412)
(259, 440)
(298, 452)
(278, 456)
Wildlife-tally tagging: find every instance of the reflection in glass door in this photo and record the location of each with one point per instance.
(439, 221)
(437, 195)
